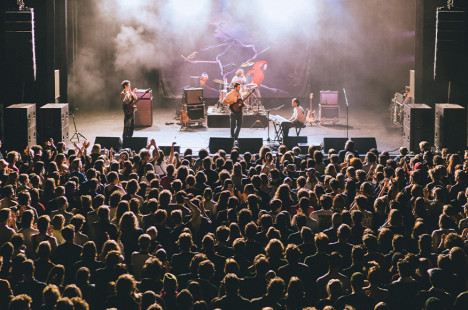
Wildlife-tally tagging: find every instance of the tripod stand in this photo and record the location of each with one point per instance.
(76, 134)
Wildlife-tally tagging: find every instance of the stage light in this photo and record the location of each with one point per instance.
(182, 9)
(277, 17)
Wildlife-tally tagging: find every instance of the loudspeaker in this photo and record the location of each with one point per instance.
(218, 143)
(193, 95)
(167, 149)
(109, 142)
(53, 122)
(135, 143)
(418, 125)
(20, 126)
(19, 53)
(333, 143)
(196, 111)
(450, 43)
(450, 127)
(251, 145)
(363, 144)
(292, 141)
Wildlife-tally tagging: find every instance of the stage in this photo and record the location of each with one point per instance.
(366, 122)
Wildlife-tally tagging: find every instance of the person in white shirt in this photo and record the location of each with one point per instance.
(297, 119)
(239, 77)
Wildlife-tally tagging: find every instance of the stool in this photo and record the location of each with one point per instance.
(299, 128)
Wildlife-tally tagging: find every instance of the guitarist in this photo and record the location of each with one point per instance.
(129, 99)
(231, 98)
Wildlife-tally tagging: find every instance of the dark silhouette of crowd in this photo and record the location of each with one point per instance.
(89, 228)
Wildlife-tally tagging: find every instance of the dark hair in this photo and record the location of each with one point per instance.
(296, 101)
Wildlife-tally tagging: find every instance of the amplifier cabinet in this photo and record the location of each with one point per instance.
(196, 111)
(20, 126)
(53, 122)
(193, 95)
(144, 109)
(329, 113)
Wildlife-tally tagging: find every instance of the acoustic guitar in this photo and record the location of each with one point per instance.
(239, 104)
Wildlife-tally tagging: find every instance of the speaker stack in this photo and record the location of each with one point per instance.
(20, 126)
(418, 125)
(53, 122)
(450, 127)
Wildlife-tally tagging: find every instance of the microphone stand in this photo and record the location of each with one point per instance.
(347, 115)
(268, 122)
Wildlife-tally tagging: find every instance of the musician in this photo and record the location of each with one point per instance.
(297, 119)
(129, 99)
(236, 117)
(407, 99)
(239, 77)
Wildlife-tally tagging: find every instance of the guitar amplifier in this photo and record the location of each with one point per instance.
(196, 112)
(193, 95)
(144, 106)
(329, 113)
(329, 97)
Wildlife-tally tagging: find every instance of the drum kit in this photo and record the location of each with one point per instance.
(252, 104)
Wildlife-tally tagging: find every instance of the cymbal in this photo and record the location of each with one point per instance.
(218, 81)
(247, 64)
(194, 76)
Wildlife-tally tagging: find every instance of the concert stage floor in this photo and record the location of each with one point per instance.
(362, 123)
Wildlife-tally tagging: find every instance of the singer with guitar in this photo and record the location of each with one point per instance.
(129, 99)
(234, 100)
(236, 103)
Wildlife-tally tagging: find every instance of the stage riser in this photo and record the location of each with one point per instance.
(248, 121)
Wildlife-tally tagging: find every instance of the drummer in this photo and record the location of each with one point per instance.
(240, 78)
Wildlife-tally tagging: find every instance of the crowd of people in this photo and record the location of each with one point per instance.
(89, 228)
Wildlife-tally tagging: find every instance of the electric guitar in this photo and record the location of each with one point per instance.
(310, 117)
(239, 104)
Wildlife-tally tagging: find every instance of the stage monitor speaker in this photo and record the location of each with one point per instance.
(166, 149)
(109, 142)
(450, 127)
(251, 145)
(418, 125)
(292, 141)
(193, 95)
(196, 111)
(363, 144)
(135, 143)
(333, 143)
(20, 126)
(220, 143)
(53, 122)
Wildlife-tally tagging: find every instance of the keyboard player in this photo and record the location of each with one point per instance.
(297, 119)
